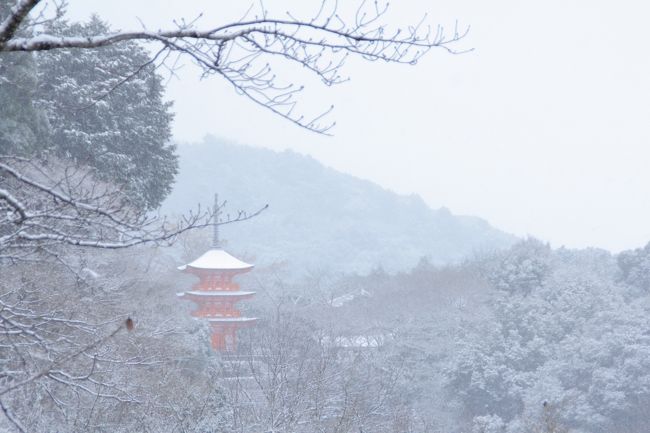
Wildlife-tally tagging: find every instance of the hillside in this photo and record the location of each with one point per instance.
(320, 219)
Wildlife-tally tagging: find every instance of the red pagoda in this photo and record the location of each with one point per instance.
(216, 294)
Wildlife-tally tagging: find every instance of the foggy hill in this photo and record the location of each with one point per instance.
(320, 219)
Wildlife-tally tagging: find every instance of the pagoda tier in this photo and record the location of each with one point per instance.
(216, 303)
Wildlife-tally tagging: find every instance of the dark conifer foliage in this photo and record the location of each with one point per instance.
(106, 111)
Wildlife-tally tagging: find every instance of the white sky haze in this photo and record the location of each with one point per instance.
(543, 129)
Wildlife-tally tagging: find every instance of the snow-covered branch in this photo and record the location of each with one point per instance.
(17, 15)
(246, 53)
(40, 209)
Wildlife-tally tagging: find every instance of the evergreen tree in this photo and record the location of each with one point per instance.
(22, 126)
(106, 111)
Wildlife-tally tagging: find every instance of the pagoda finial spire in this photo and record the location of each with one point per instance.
(215, 227)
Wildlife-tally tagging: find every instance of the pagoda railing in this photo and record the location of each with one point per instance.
(207, 285)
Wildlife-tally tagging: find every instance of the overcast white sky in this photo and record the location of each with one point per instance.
(542, 130)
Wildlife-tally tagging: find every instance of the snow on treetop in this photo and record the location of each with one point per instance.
(217, 259)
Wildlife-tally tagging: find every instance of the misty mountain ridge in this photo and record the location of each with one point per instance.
(320, 219)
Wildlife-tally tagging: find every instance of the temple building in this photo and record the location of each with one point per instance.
(216, 294)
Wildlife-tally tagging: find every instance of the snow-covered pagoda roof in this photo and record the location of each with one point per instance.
(231, 319)
(217, 293)
(217, 259)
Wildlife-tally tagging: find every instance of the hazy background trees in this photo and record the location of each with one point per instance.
(313, 224)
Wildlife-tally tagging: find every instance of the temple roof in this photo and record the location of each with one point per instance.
(218, 293)
(217, 259)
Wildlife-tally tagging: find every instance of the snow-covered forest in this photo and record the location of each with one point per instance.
(375, 312)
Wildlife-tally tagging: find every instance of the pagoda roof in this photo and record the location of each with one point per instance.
(231, 319)
(217, 293)
(217, 259)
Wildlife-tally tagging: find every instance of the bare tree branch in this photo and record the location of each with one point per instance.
(40, 209)
(245, 53)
